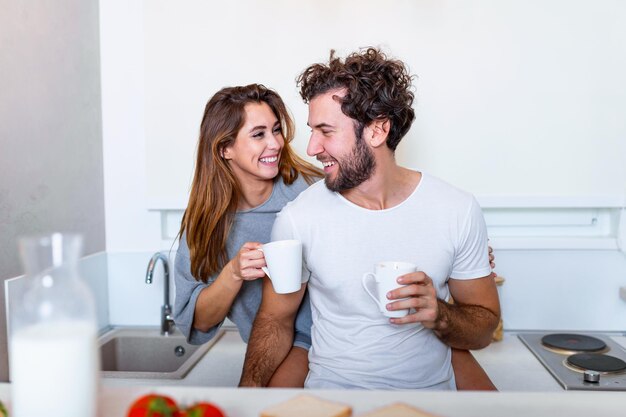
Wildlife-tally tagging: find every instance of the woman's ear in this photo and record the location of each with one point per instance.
(225, 153)
(379, 131)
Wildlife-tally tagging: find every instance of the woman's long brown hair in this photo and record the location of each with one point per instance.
(215, 190)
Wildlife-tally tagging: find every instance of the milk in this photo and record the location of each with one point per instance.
(54, 370)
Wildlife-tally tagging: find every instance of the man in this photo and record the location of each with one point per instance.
(369, 209)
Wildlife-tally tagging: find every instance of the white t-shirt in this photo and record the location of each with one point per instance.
(438, 227)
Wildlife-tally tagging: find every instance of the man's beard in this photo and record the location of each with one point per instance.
(353, 169)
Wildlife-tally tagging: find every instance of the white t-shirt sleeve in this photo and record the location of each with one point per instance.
(285, 229)
(472, 259)
(283, 226)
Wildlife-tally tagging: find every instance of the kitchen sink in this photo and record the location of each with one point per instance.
(142, 352)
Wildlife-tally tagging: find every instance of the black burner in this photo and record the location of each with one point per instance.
(597, 362)
(573, 342)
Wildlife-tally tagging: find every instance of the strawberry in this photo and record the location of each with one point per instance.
(202, 409)
(153, 405)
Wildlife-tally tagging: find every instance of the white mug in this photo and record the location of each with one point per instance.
(284, 265)
(383, 280)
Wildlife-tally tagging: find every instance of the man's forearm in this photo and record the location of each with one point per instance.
(269, 344)
(465, 326)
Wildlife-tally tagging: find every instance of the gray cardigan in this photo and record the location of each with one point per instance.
(254, 225)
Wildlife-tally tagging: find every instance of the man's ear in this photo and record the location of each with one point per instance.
(379, 131)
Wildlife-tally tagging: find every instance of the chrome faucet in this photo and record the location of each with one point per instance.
(167, 323)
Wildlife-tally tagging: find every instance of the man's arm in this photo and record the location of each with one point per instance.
(468, 373)
(467, 324)
(272, 335)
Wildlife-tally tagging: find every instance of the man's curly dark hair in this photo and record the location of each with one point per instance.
(376, 87)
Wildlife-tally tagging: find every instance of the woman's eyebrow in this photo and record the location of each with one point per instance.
(257, 128)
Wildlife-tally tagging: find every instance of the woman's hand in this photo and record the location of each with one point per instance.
(246, 265)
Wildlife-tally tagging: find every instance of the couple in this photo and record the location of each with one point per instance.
(368, 209)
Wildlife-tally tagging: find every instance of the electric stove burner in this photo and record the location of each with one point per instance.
(596, 362)
(566, 342)
(603, 369)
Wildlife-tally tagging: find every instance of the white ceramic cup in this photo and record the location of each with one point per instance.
(284, 265)
(383, 280)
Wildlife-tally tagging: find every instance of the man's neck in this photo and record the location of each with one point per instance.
(389, 185)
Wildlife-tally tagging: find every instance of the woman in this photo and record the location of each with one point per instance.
(245, 173)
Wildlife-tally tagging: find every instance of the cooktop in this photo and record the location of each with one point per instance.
(580, 361)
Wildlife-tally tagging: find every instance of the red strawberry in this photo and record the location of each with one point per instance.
(153, 405)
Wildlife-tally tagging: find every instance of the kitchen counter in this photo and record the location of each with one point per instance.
(512, 367)
(527, 389)
(114, 401)
(220, 367)
(509, 364)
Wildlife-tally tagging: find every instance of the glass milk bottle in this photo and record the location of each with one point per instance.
(54, 365)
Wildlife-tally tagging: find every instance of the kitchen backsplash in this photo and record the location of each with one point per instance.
(562, 289)
(544, 289)
(93, 269)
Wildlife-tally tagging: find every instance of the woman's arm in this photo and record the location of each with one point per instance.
(468, 373)
(292, 371)
(214, 301)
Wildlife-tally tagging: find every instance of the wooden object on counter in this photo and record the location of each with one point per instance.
(498, 334)
(397, 410)
(307, 406)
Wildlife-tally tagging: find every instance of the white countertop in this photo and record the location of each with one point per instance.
(509, 364)
(512, 367)
(526, 389)
(238, 402)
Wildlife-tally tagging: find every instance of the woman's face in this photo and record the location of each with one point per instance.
(255, 154)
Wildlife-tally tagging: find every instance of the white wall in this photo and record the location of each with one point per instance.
(527, 97)
(562, 289)
(560, 147)
(513, 97)
(129, 226)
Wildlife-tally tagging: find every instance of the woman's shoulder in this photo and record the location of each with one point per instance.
(317, 193)
(291, 191)
(183, 248)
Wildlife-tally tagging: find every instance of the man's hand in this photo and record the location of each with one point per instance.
(420, 294)
(467, 324)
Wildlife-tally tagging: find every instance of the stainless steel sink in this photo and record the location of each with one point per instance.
(142, 352)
